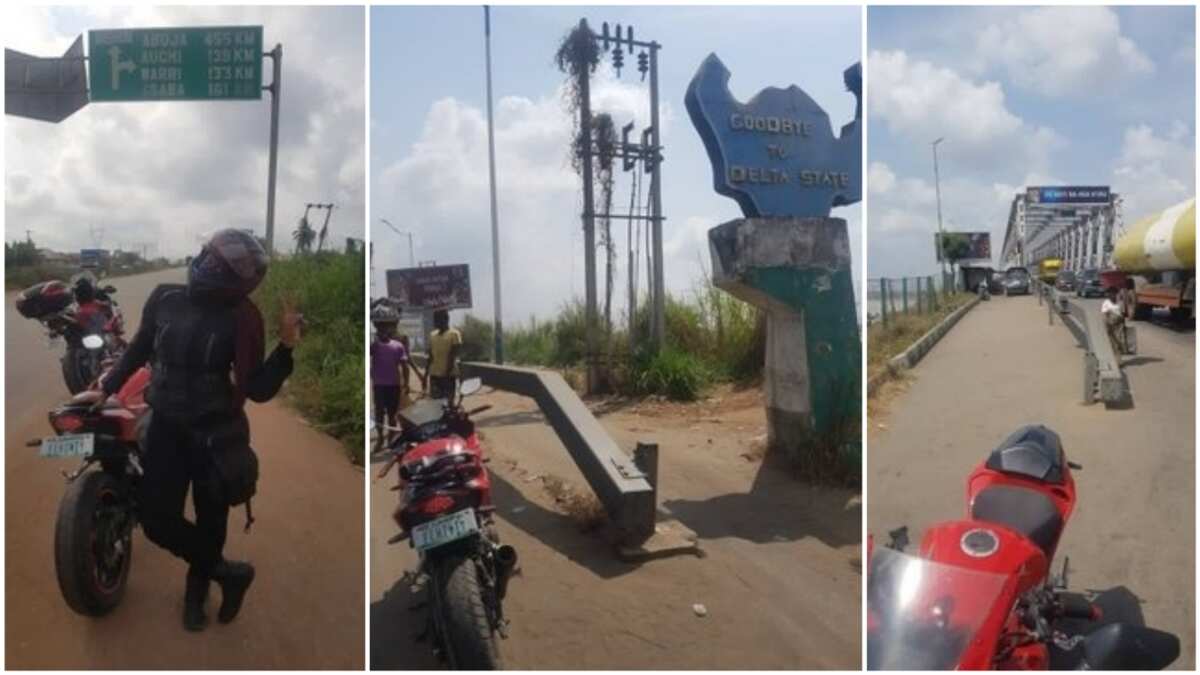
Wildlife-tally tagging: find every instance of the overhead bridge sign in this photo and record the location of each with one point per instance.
(176, 64)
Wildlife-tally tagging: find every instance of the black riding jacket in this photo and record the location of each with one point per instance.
(206, 355)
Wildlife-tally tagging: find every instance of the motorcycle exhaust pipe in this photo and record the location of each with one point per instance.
(506, 561)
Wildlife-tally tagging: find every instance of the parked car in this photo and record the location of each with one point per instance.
(1089, 285)
(1065, 281)
(1016, 281)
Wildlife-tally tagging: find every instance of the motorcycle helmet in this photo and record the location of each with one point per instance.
(84, 289)
(385, 318)
(232, 264)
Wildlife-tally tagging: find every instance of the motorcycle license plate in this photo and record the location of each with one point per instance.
(444, 530)
(68, 445)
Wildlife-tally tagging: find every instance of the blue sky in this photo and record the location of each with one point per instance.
(428, 143)
(1023, 96)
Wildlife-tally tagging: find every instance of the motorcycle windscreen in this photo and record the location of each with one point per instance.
(923, 615)
(423, 412)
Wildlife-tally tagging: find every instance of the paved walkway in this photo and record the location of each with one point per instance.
(1003, 366)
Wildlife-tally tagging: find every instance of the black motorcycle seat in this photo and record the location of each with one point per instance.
(1022, 509)
(1033, 451)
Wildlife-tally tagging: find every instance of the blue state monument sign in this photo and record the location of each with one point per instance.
(776, 155)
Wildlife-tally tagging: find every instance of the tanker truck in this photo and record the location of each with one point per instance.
(1158, 253)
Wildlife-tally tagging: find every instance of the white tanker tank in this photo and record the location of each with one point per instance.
(1158, 253)
(1162, 242)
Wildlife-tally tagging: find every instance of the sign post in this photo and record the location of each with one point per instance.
(778, 157)
(275, 88)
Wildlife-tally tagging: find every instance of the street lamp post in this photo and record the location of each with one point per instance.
(937, 188)
(412, 259)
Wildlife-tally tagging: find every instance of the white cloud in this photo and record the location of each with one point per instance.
(163, 174)
(921, 101)
(439, 191)
(1060, 51)
(1155, 171)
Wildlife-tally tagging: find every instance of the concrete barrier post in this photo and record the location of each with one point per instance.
(797, 270)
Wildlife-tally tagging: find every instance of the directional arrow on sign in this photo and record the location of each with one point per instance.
(47, 89)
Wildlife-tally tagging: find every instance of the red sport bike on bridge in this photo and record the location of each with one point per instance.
(979, 594)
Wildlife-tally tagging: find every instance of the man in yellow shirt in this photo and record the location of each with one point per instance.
(444, 345)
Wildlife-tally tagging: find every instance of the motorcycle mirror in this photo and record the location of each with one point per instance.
(470, 386)
(1122, 646)
(93, 341)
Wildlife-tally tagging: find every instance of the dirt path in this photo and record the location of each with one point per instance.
(305, 609)
(779, 577)
(1001, 367)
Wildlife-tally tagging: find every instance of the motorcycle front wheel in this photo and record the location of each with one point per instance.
(93, 546)
(76, 369)
(463, 618)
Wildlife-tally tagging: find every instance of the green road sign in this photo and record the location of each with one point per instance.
(176, 64)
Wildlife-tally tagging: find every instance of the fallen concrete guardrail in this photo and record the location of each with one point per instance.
(1103, 378)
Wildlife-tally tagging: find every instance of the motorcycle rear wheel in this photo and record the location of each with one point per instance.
(466, 629)
(91, 576)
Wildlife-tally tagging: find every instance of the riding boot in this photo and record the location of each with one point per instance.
(194, 596)
(234, 578)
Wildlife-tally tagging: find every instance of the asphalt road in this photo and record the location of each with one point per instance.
(1003, 366)
(779, 579)
(305, 609)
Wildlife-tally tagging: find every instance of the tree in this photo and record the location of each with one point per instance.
(304, 235)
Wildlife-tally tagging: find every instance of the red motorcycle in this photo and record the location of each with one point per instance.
(93, 535)
(53, 305)
(446, 514)
(980, 595)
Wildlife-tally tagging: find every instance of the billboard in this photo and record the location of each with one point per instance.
(447, 286)
(956, 246)
(1072, 194)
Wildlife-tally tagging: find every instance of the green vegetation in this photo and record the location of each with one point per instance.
(327, 385)
(885, 342)
(24, 266)
(711, 337)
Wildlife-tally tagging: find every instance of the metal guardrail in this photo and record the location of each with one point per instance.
(1103, 378)
(627, 487)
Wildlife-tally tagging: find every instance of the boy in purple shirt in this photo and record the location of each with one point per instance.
(389, 374)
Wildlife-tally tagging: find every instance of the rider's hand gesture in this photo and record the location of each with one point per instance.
(291, 323)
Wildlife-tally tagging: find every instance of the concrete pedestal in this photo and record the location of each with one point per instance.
(798, 271)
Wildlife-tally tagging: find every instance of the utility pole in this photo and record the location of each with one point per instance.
(659, 331)
(275, 89)
(937, 188)
(589, 220)
(497, 329)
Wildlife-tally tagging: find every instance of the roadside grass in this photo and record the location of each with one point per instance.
(711, 337)
(327, 384)
(886, 342)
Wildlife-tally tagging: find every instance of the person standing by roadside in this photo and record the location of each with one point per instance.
(389, 372)
(1114, 321)
(445, 343)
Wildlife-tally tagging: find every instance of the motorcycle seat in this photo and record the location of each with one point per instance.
(91, 396)
(1025, 510)
(1033, 451)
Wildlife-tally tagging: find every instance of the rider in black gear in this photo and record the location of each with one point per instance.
(205, 344)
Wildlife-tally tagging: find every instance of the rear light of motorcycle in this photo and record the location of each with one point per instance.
(65, 424)
(436, 504)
